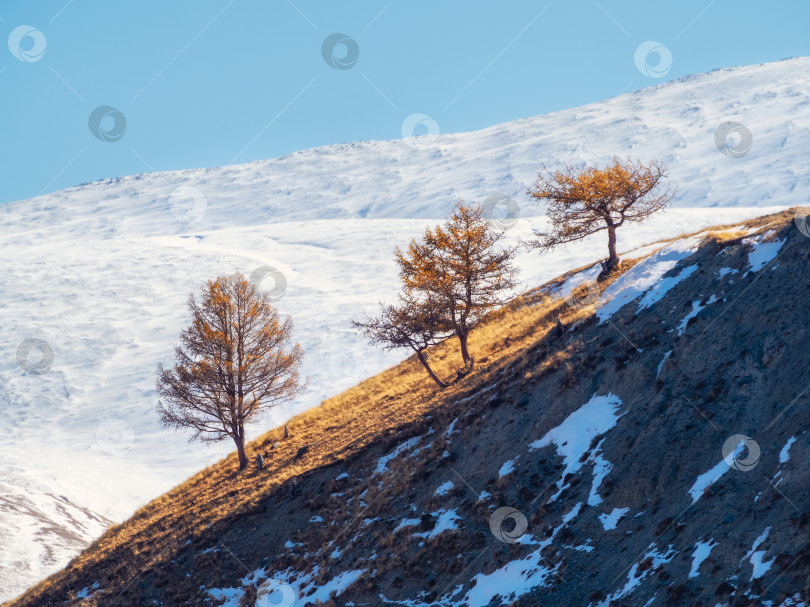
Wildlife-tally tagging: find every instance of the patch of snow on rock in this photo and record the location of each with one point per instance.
(574, 435)
(708, 478)
(516, 578)
(407, 522)
(609, 521)
(647, 278)
(784, 454)
(601, 468)
(697, 307)
(445, 488)
(635, 576)
(232, 597)
(661, 364)
(701, 553)
(447, 521)
(763, 253)
(760, 566)
(507, 468)
(382, 463)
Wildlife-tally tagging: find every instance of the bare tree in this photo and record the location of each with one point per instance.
(234, 361)
(412, 324)
(582, 202)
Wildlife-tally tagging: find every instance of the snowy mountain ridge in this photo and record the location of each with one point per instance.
(421, 177)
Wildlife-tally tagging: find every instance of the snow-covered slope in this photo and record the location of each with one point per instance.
(40, 528)
(101, 272)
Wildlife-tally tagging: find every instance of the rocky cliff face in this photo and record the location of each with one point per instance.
(651, 453)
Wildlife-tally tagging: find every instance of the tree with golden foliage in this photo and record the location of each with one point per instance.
(234, 361)
(451, 278)
(582, 202)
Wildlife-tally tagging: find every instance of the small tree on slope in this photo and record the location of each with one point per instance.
(234, 361)
(582, 202)
(412, 324)
(451, 278)
(461, 263)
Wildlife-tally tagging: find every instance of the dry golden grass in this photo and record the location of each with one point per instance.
(729, 233)
(726, 236)
(339, 427)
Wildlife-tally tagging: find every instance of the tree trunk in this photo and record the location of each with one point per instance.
(421, 356)
(613, 258)
(240, 450)
(469, 362)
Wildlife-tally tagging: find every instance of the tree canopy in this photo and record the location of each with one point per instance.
(451, 278)
(584, 201)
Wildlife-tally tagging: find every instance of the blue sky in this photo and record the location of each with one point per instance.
(217, 82)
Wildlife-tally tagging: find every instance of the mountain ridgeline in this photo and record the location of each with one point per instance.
(634, 442)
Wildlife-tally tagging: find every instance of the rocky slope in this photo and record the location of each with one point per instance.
(651, 453)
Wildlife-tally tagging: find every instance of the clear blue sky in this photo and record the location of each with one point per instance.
(216, 82)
